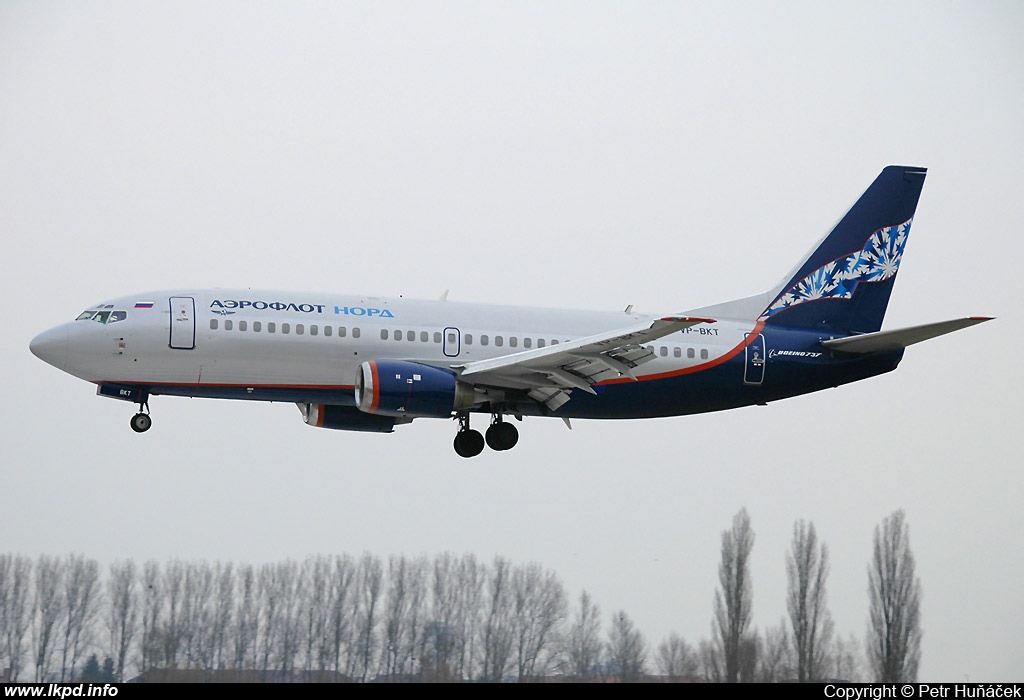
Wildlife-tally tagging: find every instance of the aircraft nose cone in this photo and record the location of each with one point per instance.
(52, 346)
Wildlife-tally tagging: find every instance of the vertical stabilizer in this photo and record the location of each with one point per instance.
(844, 283)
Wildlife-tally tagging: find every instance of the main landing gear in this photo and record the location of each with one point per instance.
(501, 436)
(142, 421)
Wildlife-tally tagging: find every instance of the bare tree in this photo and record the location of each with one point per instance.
(807, 569)
(582, 653)
(152, 616)
(370, 584)
(894, 632)
(711, 661)
(122, 612)
(171, 633)
(498, 628)
(402, 612)
(676, 659)
(340, 623)
(15, 597)
(196, 615)
(774, 664)
(627, 649)
(733, 602)
(221, 612)
(245, 625)
(540, 607)
(845, 662)
(47, 606)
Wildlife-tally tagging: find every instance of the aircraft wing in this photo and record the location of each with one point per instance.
(548, 374)
(901, 337)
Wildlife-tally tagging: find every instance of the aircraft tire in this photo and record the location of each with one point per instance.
(502, 436)
(141, 422)
(469, 443)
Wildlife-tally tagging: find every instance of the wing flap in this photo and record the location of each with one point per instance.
(550, 373)
(882, 341)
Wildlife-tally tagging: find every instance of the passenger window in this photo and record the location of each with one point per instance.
(341, 331)
(484, 340)
(241, 325)
(213, 324)
(355, 332)
(286, 328)
(256, 326)
(527, 342)
(313, 330)
(437, 336)
(513, 341)
(690, 353)
(228, 325)
(398, 335)
(664, 351)
(499, 340)
(299, 329)
(328, 330)
(555, 341)
(424, 336)
(271, 327)
(383, 333)
(540, 342)
(469, 338)
(703, 353)
(678, 352)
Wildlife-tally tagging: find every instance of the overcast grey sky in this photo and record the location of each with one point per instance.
(590, 155)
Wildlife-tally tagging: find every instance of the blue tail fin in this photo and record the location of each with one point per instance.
(844, 283)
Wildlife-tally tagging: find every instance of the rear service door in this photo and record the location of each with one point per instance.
(183, 323)
(753, 372)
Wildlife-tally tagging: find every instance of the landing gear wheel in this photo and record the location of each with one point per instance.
(469, 443)
(141, 422)
(502, 436)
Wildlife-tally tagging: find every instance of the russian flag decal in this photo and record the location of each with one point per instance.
(143, 305)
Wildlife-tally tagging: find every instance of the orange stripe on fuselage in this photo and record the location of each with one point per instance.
(696, 368)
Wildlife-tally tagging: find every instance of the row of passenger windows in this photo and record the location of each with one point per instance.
(690, 352)
(285, 328)
(424, 336)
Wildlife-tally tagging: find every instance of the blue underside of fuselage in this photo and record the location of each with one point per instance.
(796, 364)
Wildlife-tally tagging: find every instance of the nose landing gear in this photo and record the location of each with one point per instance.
(141, 421)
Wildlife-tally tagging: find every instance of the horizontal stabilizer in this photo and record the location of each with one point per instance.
(900, 338)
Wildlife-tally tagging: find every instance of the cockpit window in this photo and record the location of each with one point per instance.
(102, 316)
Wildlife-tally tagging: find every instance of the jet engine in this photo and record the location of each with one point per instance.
(400, 388)
(347, 418)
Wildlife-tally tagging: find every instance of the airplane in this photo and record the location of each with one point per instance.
(369, 363)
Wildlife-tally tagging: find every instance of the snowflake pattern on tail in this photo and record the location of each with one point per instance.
(878, 261)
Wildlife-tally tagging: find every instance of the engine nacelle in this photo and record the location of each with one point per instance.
(399, 388)
(347, 418)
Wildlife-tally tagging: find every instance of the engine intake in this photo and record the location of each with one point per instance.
(400, 388)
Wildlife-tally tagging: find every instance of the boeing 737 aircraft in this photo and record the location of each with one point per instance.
(368, 363)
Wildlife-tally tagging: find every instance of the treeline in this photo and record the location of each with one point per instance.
(446, 618)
